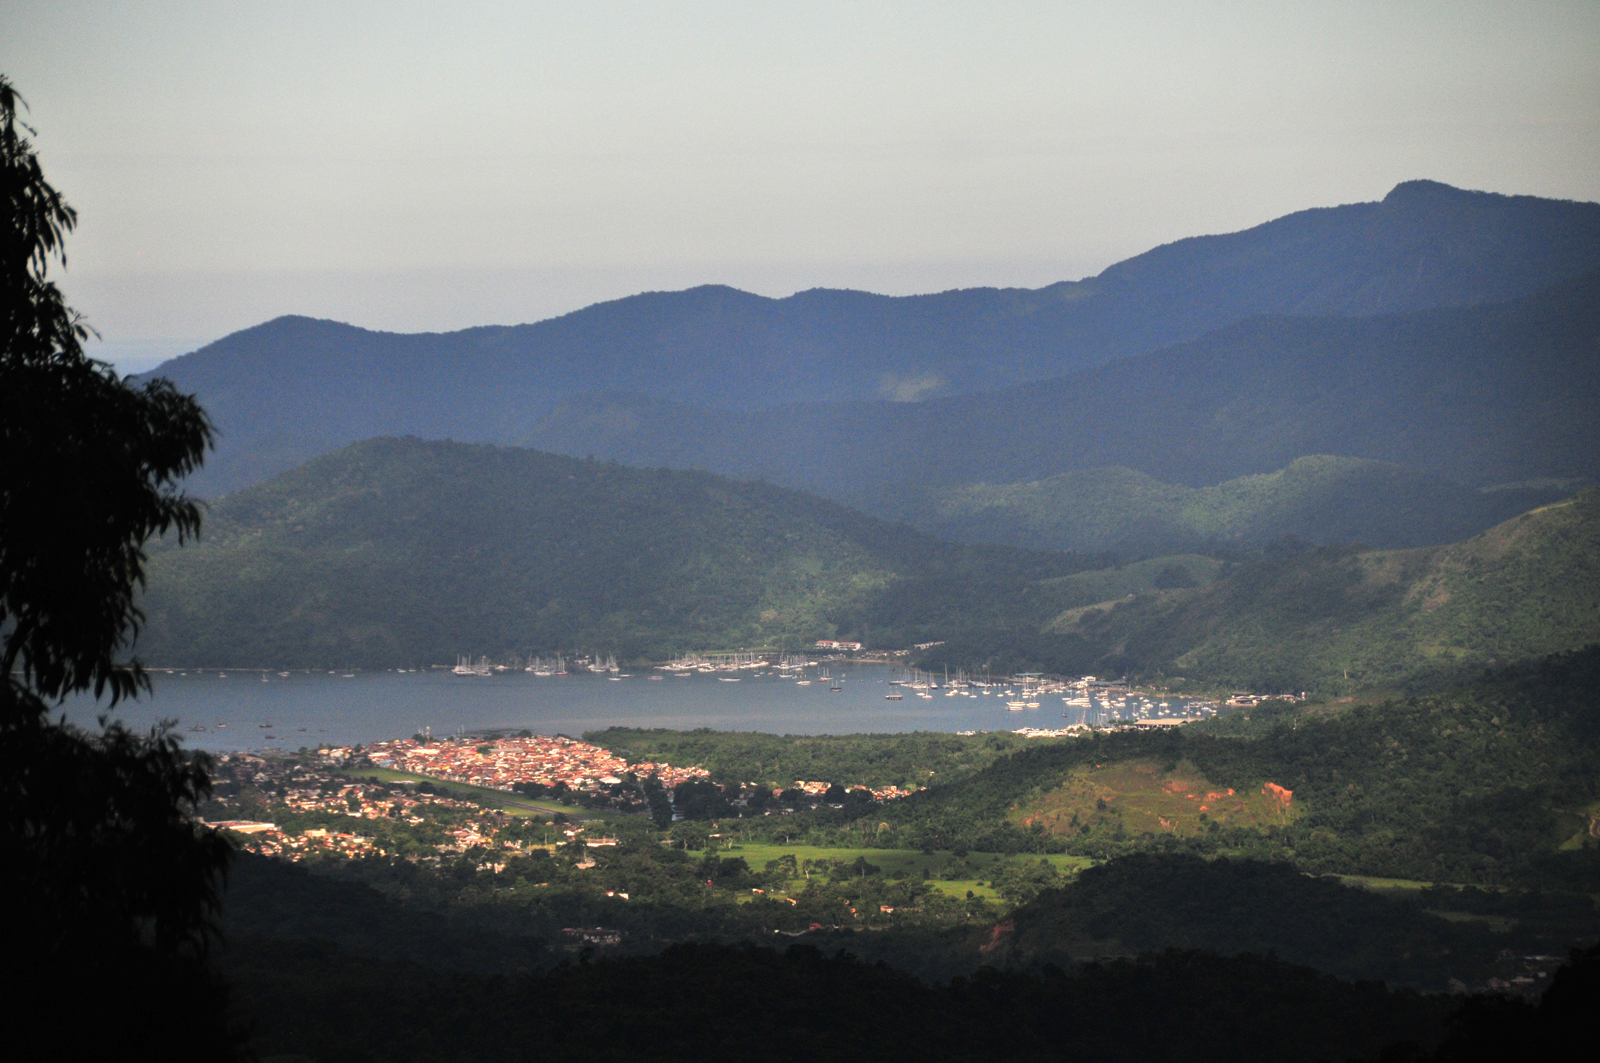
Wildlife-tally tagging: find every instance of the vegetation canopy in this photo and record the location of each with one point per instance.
(106, 878)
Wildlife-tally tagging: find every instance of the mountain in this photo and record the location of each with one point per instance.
(1484, 395)
(1335, 619)
(294, 387)
(402, 552)
(1320, 499)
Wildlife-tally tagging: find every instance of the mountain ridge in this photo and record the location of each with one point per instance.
(1318, 498)
(294, 387)
(1338, 620)
(398, 552)
(1484, 395)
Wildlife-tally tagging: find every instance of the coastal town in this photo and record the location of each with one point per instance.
(322, 799)
(500, 763)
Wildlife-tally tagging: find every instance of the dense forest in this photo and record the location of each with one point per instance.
(402, 552)
(779, 760)
(1317, 499)
(1334, 619)
(719, 1002)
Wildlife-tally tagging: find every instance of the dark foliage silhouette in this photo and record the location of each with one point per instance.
(110, 889)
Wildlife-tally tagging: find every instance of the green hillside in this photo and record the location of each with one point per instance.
(1494, 783)
(398, 551)
(1321, 499)
(1337, 620)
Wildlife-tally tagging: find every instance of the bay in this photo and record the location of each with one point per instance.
(254, 710)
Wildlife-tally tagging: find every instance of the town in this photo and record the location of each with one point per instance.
(503, 763)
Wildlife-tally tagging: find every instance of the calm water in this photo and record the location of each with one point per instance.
(306, 709)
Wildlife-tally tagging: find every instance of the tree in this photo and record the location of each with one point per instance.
(659, 800)
(107, 881)
(700, 799)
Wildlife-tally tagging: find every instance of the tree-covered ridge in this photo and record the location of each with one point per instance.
(1335, 619)
(876, 761)
(400, 551)
(1483, 395)
(730, 1004)
(1495, 782)
(1318, 498)
(1149, 901)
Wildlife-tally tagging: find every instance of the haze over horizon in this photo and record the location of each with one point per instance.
(427, 170)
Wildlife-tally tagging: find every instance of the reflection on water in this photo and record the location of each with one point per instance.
(251, 710)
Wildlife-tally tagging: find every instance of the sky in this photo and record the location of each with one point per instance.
(425, 167)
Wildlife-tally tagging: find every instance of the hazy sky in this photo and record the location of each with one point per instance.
(433, 166)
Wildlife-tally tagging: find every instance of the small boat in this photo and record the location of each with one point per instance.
(1016, 706)
(802, 682)
(727, 679)
(894, 697)
(657, 678)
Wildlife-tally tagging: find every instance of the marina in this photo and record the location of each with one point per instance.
(236, 709)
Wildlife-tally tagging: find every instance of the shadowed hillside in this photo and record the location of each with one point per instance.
(1319, 499)
(1338, 620)
(402, 552)
(1483, 395)
(1331, 619)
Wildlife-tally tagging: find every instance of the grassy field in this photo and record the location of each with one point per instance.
(511, 804)
(911, 861)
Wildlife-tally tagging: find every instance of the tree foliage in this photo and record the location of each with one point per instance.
(88, 463)
(106, 879)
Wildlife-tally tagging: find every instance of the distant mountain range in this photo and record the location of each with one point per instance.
(1495, 394)
(1039, 381)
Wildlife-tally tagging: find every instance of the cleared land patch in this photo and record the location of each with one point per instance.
(1142, 796)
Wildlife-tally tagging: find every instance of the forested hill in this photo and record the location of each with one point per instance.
(1338, 620)
(294, 387)
(1318, 499)
(1483, 395)
(1491, 782)
(402, 552)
